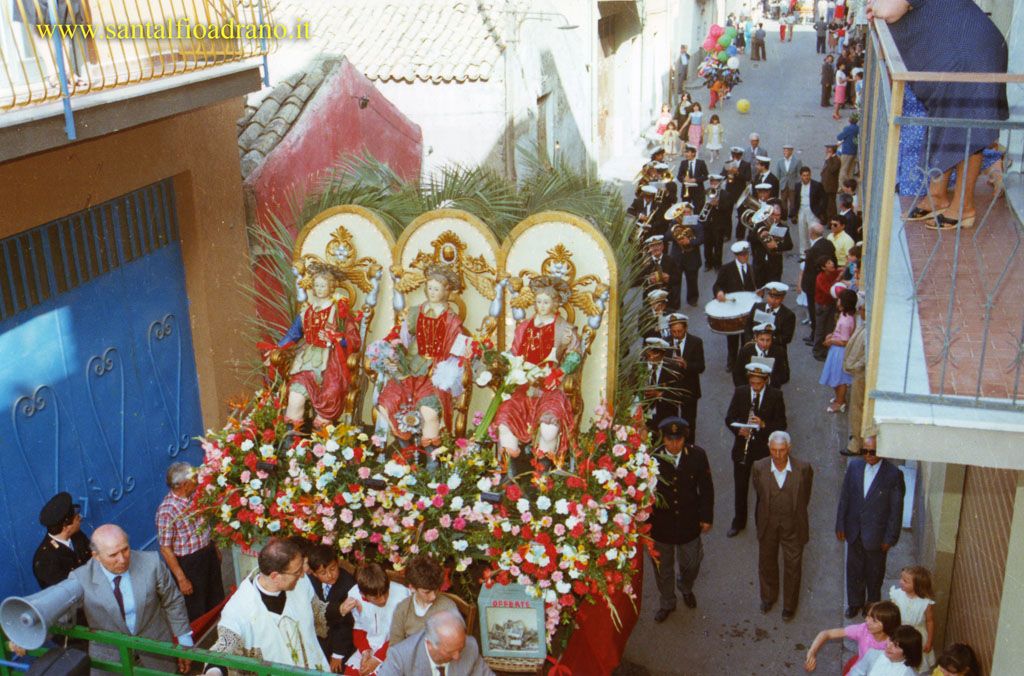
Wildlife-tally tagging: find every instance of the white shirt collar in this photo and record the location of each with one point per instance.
(780, 475)
(256, 581)
(66, 543)
(870, 472)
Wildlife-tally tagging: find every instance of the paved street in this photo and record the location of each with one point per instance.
(727, 634)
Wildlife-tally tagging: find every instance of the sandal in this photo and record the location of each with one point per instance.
(918, 214)
(941, 222)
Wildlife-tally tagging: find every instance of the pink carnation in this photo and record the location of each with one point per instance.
(459, 523)
(445, 521)
(364, 472)
(431, 535)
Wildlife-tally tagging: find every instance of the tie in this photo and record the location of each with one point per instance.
(440, 670)
(743, 275)
(118, 596)
(753, 402)
(693, 165)
(327, 590)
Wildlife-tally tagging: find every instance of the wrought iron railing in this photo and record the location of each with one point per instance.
(52, 50)
(944, 306)
(128, 646)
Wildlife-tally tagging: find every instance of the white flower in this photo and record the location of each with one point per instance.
(395, 469)
(329, 460)
(550, 596)
(516, 377)
(222, 481)
(484, 378)
(460, 545)
(235, 524)
(256, 484)
(484, 484)
(562, 506)
(611, 554)
(563, 587)
(602, 476)
(274, 526)
(483, 507)
(266, 450)
(247, 445)
(332, 446)
(523, 505)
(456, 503)
(348, 453)
(543, 502)
(454, 481)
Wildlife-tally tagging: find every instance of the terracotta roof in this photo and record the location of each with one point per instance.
(404, 40)
(270, 113)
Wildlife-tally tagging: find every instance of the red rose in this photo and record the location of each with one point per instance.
(443, 489)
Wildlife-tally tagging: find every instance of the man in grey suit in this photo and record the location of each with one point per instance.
(442, 649)
(132, 593)
(783, 488)
(788, 170)
(869, 519)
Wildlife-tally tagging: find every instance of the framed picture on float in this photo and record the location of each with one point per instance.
(511, 624)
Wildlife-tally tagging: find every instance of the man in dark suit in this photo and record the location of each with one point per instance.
(744, 171)
(684, 511)
(684, 251)
(767, 249)
(849, 217)
(64, 547)
(783, 487)
(789, 168)
(688, 357)
(331, 584)
(772, 309)
(828, 78)
(753, 148)
(661, 271)
(808, 206)
(663, 391)
(693, 172)
(830, 178)
(443, 647)
(763, 174)
(718, 221)
(869, 520)
(820, 246)
(736, 276)
(755, 411)
(654, 324)
(762, 347)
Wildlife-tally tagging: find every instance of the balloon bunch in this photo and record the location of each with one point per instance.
(721, 62)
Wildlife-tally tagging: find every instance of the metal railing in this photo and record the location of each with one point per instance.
(954, 330)
(53, 50)
(127, 648)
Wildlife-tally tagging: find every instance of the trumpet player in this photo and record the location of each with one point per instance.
(693, 172)
(754, 413)
(763, 174)
(685, 251)
(660, 270)
(762, 347)
(768, 242)
(716, 221)
(688, 357)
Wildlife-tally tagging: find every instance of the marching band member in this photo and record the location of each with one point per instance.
(663, 394)
(737, 276)
(717, 221)
(767, 248)
(661, 271)
(784, 319)
(656, 326)
(687, 235)
(688, 357)
(762, 347)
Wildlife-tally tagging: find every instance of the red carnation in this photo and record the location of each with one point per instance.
(443, 489)
(512, 492)
(269, 435)
(579, 587)
(566, 600)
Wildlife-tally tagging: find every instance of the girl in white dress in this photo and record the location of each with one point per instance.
(714, 138)
(914, 597)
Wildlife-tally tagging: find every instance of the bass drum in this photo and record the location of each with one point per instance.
(729, 317)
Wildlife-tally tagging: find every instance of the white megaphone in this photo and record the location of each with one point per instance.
(26, 621)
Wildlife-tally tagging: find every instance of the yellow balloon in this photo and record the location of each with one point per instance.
(743, 106)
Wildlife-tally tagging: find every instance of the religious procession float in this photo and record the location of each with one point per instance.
(445, 370)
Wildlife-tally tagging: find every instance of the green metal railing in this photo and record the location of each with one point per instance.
(128, 646)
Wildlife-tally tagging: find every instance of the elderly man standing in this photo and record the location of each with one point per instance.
(789, 168)
(869, 519)
(783, 487)
(185, 544)
(830, 178)
(128, 592)
(442, 649)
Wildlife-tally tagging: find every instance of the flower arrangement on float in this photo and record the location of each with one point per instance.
(571, 537)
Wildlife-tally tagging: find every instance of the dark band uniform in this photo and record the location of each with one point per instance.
(780, 368)
(772, 410)
(53, 560)
(784, 322)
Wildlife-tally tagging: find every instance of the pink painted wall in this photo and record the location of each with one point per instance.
(331, 125)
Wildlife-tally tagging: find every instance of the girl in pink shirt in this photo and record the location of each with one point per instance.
(882, 620)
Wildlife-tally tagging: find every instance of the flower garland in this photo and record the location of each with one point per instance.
(569, 537)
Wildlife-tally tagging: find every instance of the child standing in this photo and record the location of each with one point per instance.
(696, 132)
(914, 597)
(832, 374)
(714, 138)
(666, 116)
(840, 95)
(670, 140)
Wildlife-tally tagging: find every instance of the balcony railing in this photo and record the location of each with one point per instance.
(946, 307)
(59, 49)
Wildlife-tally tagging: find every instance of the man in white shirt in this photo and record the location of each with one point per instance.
(789, 177)
(682, 68)
(783, 488)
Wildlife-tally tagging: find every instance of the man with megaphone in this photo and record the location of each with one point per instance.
(120, 590)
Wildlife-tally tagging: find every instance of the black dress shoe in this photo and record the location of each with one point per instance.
(788, 615)
(766, 607)
(852, 612)
(690, 600)
(662, 614)
(733, 531)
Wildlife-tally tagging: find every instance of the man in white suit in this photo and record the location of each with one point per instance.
(132, 593)
(442, 649)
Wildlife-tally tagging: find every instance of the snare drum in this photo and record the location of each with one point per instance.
(730, 317)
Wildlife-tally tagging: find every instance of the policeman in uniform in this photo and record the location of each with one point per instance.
(64, 547)
(683, 512)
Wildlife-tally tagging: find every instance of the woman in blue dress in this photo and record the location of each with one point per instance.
(947, 36)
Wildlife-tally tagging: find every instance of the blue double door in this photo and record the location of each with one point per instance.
(98, 387)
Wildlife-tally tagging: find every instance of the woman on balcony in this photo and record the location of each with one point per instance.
(947, 36)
